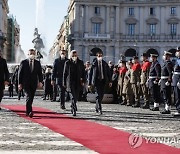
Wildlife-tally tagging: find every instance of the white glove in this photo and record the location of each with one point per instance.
(167, 83)
(147, 83)
(159, 83)
(155, 82)
(178, 85)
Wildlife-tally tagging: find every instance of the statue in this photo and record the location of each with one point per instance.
(38, 44)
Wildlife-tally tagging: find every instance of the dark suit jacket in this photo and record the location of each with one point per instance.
(73, 79)
(93, 75)
(28, 78)
(4, 73)
(58, 69)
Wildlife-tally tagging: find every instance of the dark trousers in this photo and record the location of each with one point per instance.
(1, 94)
(166, 93)
(100, 93)
(62, 95)
(20, 93)
(30, 92)
(177, 98)
(11, 93)
(54, 92)
(155, 93)
(75, 96)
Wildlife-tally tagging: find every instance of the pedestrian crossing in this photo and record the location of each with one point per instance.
(18, 135)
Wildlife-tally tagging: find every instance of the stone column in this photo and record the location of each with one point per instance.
(76, 20)
(86, 18)
(107, 19)
(117, 32)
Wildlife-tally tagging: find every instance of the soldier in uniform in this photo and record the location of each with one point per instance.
(165, 82)
(135, 80)
(154, 77)
(176, 82)
(145, 67)
(122, 71)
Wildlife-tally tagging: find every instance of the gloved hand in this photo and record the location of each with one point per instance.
(159, 83)
(147, 83)
(178, 85)
(155, 82)
(167, 83)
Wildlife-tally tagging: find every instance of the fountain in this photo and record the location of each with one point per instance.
(39, 39)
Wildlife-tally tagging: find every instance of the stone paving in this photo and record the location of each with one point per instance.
(19, 134)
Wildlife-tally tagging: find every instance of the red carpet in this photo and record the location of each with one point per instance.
(100, 138)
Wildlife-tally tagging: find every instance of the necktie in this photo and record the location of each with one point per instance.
(31, 65)
(100, 71)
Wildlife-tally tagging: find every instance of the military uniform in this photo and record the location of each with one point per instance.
(135, 83)
(122, 72)
(175, 81)
(166, 78)
(127, 93)
(144, 77)
(154, 77)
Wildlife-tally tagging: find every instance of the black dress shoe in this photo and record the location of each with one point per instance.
(166, 112)
(31, 114)
(145, 106)
(100, 112)
(63, 107)
(136, 105)
(96, 110)
(155, 109)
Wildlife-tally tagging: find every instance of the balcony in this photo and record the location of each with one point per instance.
(97, 36)
(150, 38)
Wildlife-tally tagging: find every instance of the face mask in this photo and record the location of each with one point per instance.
(141, 59)
(120, 65)
(99, 58)
(62, 56)
(31, 57)
(150, 59)
(74, 58)
(164, 57)
(177, 54)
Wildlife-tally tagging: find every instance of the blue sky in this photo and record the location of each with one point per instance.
(25, 13)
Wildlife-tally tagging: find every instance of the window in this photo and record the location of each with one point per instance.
(131, 11)
(96, 28)
(173, 10)
(152, 11)
(97, 10)
(131, 29)
(152, 29)
(173, 29)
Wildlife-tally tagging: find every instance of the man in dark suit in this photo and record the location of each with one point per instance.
(74, 78)
(4, 76)
(30, 76)
(99, 75)
(57, 75)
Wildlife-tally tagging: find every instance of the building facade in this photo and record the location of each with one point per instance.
(4, 10)
(128, 27)
(13, 39)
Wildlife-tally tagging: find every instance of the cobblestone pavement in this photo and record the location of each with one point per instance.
(19, 134)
